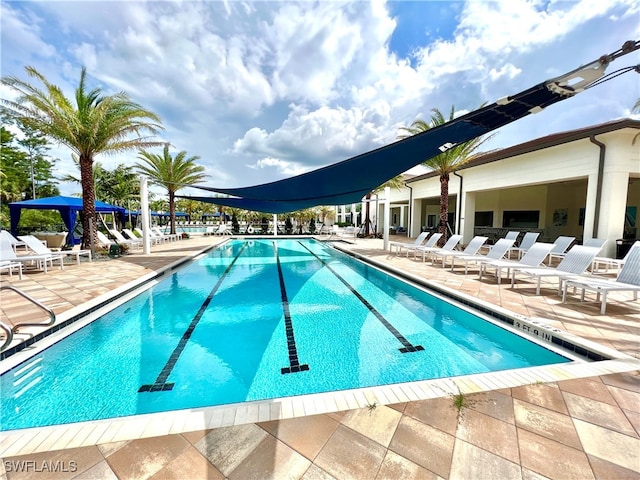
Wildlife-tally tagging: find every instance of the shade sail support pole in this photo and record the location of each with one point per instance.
(387, 223)
(144, 213)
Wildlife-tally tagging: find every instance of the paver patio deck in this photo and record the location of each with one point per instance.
(578, 428)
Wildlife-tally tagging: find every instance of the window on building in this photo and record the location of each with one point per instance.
(484, 219)
(521, 218)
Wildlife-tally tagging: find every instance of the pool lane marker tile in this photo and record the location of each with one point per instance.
(161, 384)
(294, 363)
(408, 347)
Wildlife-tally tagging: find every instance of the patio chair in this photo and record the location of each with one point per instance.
(575, 262)
(223, 230)
(13, 241)
(470, 250)
(611, 262)
(560, 250)
(533, 258)
(125, 241)
(152, 236)
(170, 237)
(511, 235)
(628, 280)
(497, 252)
(40, 248)
(41, 261)
(103, 240)
(452, 243)
(527, 241)
(8, 265)
(430, 243)
(418, 241)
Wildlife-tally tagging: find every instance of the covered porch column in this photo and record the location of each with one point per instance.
(615, 188)
(416, 217)
(467, 215)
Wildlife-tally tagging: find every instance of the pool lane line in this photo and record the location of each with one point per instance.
(161, 385)
(408, 347)
(294, 364)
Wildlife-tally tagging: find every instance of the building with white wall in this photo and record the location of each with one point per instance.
(583, 183)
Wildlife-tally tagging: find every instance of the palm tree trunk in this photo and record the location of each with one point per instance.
(444, 208)
(89, 225)
(172, 211)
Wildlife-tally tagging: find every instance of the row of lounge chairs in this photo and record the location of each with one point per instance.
(570, 272)
(36, 254)
(134, 240)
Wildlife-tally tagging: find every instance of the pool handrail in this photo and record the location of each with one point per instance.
(52, 315)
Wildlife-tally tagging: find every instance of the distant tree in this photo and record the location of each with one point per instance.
(89, 124)
(12, 161)
(173, 173)
(325, 213)
(41, 165)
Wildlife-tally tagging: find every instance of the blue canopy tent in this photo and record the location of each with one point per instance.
(350, 180)
(67, 206)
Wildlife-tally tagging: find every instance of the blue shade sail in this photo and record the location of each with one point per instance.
(348, 181)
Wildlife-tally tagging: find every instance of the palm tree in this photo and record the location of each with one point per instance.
(173, 173)
(447, 162)
(89, 124)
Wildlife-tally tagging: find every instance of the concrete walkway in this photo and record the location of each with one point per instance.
(579, 428)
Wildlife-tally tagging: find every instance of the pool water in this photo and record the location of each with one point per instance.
(254, 320)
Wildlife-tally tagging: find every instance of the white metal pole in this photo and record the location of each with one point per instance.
(275, 224)
(144, 213)
(387, 211)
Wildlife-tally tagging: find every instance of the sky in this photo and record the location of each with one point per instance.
(264, 90)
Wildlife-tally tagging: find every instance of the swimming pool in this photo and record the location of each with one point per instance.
(253, 320)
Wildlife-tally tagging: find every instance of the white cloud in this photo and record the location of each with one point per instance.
(281, 166)
(507, 70)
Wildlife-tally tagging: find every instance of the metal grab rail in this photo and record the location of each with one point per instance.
(52, 315)
(9, 333)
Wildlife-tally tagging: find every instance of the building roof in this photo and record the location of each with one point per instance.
(542, 143)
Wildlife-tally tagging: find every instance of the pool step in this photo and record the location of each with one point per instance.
(27, 376)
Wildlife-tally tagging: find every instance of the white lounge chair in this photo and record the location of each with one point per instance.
(562, 244)
(8, 265)
(430, 243)
(533, 258)
(41, 261)
(452, 243)
(40, 248)
(417, 242)
(628, 280)
(121, 240)
(13, 241)
(103, 240)
(471, 249)
(170, 237)
(497, 252)
(527, 241)
(223, 230)
(575, 262)
(153, 238)
(607, 262)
